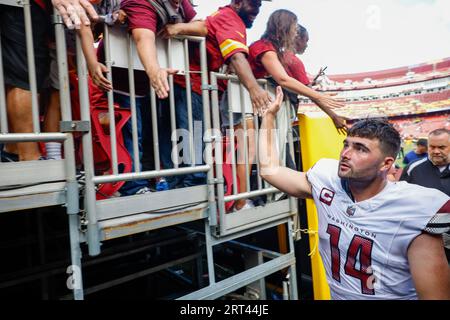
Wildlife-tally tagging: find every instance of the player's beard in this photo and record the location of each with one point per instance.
(347, 172)
(360, 176)
(351, 173)
(246, 19)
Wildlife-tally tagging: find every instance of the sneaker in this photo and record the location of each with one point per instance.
(248, 205)
(50, 158)
(9, 157)
(144, 190)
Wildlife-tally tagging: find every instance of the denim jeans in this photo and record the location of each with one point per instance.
(131, 187)
(182, 123)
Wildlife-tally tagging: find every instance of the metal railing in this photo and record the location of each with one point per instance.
(272, 210)
(31, 184)
(122, 216)
(169, 200)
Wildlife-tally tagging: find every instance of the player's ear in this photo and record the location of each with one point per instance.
(387, 163)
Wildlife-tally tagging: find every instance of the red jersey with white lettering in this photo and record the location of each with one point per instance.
(364, 244)
(226, 36)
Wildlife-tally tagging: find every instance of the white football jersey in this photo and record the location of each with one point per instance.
(364, 245)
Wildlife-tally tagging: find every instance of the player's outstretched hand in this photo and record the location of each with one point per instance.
(274, 106)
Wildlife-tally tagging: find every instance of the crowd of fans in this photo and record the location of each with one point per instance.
(274, 56)
(227, 47)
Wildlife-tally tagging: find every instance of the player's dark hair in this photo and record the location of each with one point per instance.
(382, 130)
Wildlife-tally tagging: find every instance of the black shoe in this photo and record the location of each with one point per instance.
(9, 157)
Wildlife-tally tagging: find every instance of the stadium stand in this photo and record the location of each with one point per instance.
(396, 76)
(415, 98)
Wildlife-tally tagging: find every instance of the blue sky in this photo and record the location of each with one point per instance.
(361, 35)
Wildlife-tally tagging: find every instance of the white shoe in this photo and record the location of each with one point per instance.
(248, 205)
(144, 190)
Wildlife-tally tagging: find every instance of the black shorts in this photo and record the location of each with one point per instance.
(14, 50)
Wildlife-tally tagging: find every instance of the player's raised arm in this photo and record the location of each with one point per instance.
(287, 180)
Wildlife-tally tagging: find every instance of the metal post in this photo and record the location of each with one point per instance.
(134, 130)
(208, 139)
(155, 129)
(63, 74)
(258, 168)
(72, 192)
(292, 269)
(31, 65)
(112, 119)
(218, 154)
(88, 157)
(73, 210)
(232, 143)
(292, 200)
(173, 122)
(286, 289)
(3, 113)
(150, 174)
(289, 131)
(244, 126)
(260, 182)
(189, 104)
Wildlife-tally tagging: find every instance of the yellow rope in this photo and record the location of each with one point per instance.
(314, 232)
